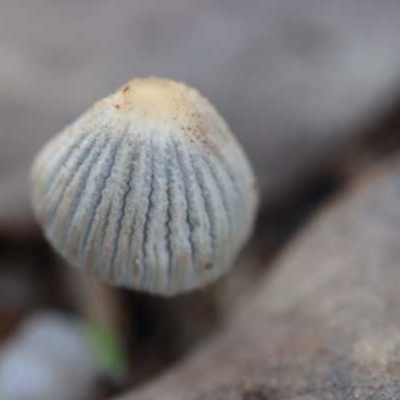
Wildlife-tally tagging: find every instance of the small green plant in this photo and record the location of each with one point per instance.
(106, 349)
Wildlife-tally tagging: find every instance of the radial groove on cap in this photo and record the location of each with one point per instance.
(126, 188)
(62, 183)
(168, 220)
(79, 192)
(94, 227)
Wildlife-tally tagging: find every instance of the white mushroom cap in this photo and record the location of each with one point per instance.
(148, 189)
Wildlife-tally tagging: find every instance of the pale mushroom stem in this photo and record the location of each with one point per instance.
(97, 302)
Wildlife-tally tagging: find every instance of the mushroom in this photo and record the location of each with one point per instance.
(148, 190)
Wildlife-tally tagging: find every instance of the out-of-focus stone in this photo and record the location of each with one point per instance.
(324, 325)
(47, 359)
(292, 78)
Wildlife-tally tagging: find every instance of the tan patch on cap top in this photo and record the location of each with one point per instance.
(158, 99)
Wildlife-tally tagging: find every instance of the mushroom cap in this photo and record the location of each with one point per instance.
(148, 189)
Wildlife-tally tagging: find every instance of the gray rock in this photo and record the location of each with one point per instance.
(292, 78)
(324, 325)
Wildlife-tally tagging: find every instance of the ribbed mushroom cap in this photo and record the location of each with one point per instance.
(148, 189)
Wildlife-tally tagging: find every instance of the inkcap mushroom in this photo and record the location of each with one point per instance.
(149, 189)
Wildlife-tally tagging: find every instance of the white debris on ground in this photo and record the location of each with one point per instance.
(47, 359)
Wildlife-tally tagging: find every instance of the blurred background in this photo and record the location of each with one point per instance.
(311, 89)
